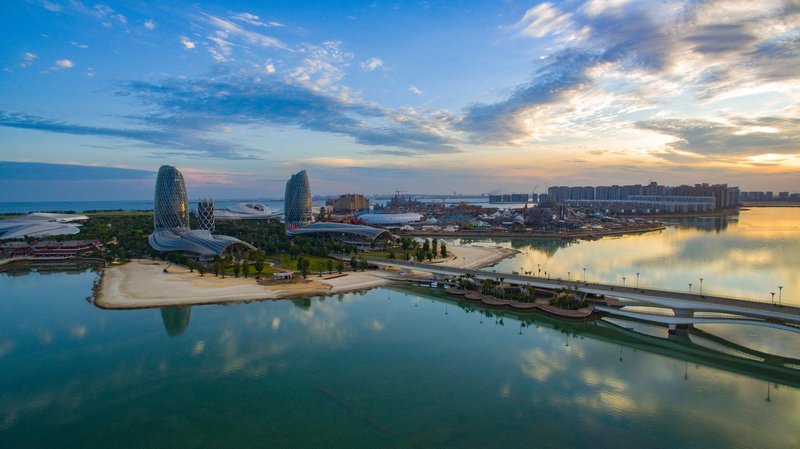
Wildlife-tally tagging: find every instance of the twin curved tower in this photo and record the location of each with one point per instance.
(297, 201)
(171, 230)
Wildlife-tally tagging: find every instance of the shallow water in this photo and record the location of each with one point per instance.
(388, 367)
(748, 255)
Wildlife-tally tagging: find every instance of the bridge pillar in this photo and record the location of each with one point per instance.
(683, 313)
(678, 333)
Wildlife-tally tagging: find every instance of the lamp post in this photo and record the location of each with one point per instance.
(637, 280)
(569, 275)
(690, 288)
(584, 274)
(780, 293)
(773, 297)
(701, 286)
(623, 281)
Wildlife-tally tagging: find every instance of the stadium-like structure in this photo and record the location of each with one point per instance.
(246, 211)
(171, 221)
(347, 233)
(40, 224)
(297, 201)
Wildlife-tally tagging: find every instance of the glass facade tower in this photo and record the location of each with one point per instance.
(297, 201)
(171, 221)
(170, 203)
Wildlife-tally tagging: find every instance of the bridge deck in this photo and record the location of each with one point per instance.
(663, 298)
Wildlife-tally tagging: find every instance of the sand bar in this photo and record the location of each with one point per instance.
(143, 283)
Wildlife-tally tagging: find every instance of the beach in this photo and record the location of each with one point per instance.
(144, 283)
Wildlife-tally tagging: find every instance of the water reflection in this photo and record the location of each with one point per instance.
(694, 345)
(706, 224)
(370, 371)
(749, 257)
(548, 246)
(176, 319)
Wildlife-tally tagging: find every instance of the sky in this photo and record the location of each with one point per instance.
(377, 96)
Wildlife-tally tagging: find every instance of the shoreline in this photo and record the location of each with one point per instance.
(143, 283)
(554, 235)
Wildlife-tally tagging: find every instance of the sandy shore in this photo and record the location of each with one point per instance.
(477, 256)
(143, 283)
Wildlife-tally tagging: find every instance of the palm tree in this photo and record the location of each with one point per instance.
(487, 285)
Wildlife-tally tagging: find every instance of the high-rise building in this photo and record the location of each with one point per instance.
(349, 203)
(297, 201)
(205, 214)
(170, 203)
(171, 221)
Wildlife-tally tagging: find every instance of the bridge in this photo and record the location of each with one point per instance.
(685, 306)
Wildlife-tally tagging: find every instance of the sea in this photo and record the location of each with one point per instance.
(411, 367)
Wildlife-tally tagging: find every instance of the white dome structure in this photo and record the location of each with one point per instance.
(385, 219)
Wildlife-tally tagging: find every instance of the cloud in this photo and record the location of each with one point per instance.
(181, 141)
(78, 44)
(27, 58)
(371, 64)
(544, 19)
(187, 43)
(322, 66)
(186, 113)
(650, 52)
(738, 136)
(50, 6)
(192, 105)
(100, 11)
(226, 32)
(269, 68)
(502, 121)
(64, 64)
(415, 90)
(150, 24)
(253, 19)
(36, 171)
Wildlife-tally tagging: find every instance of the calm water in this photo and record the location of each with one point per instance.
(386, 368)
(747, 255)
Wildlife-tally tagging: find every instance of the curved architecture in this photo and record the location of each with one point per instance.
(40, 225)
(246, 211)
(297, 201)
(205, 214)
(170, 204)
(343, 231)
(171, 220)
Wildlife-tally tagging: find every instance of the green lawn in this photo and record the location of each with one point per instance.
(316, 263)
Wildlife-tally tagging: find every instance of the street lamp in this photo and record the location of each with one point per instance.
(780, 293)
(584, 274)
(569, 275)
(637, 280)
(773, 297)
(701, 286)
(623, 281)
(690, 288)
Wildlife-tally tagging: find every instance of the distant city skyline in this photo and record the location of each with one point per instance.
(374, 96)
